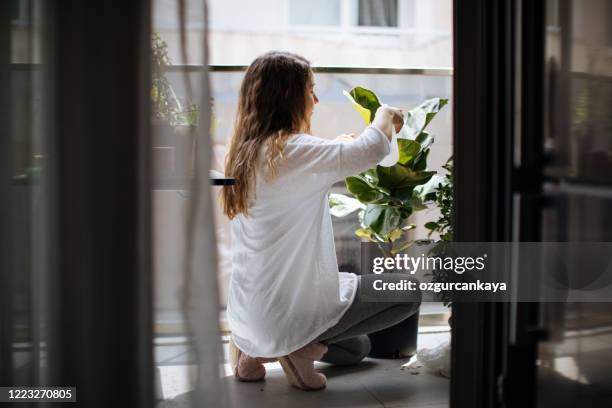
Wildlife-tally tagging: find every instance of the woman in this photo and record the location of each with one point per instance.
(287, 299)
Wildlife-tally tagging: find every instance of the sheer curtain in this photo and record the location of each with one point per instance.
(201, 290)
(183, 215)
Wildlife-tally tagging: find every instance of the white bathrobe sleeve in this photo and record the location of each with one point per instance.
(334, 160)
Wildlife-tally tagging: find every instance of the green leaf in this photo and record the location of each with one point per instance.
(425, 139)
(401, 180)
(395, 234)
(392, 177)
(364, 233)
(415, 178)
(405, 211)
(358, 185)
(430, 197)
(370, 176)
(417, 119)
(381, 219)
(365, 113)
(431, 225)
(404, 193)
(388, 199)
(431, 187)
(416, 203)
(420, 162)
(362, 189)
(406, 189)
(408, 150)
(341, 205)
(366, 99)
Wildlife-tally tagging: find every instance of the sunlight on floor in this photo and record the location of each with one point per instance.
(372, 383)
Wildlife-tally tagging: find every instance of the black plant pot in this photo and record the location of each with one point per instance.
(173, 155)
(398, 341)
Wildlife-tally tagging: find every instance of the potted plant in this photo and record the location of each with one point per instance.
(442, 195)
(386, 197)
(174, 122)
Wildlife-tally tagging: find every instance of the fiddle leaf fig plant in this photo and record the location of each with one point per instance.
(387, 196)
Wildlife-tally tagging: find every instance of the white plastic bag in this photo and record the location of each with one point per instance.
(436, 359)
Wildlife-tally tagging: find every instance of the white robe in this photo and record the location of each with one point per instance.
(285, 288)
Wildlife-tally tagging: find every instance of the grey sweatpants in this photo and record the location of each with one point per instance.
(347, 341)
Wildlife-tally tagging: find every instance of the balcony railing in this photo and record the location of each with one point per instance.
(328, 70)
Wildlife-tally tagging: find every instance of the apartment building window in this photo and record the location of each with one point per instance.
(352, 15)
(314, 12)
(378, 13)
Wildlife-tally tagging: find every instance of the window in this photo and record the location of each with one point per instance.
(360, 16)
(314, 12)
(378, 13)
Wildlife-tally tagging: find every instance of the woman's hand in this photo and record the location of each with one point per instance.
(387, 118)
(346, 137)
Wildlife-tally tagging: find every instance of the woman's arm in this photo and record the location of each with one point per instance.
(333, 160)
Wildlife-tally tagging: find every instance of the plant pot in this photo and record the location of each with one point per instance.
(400, 340)
(172, 155)
(397, 341)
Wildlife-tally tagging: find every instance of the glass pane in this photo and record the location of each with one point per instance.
(573, 361)
(579, 126)
(314, 12)
(380, 13)
(25, 191)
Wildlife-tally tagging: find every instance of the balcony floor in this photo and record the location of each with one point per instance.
(372, 383)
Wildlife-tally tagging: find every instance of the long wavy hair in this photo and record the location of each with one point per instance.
(271, 107)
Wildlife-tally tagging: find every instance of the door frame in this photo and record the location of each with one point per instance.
(498, 91)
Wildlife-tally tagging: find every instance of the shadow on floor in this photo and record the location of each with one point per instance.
(372, 383)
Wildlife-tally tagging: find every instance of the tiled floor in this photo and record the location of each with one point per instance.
(373, 383)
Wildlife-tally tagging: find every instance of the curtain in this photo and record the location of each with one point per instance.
(378, 13)
(201, 290)
(183, 201)
(75, 278)
(108, 264)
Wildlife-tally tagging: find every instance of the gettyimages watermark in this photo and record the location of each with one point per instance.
(488, 272)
